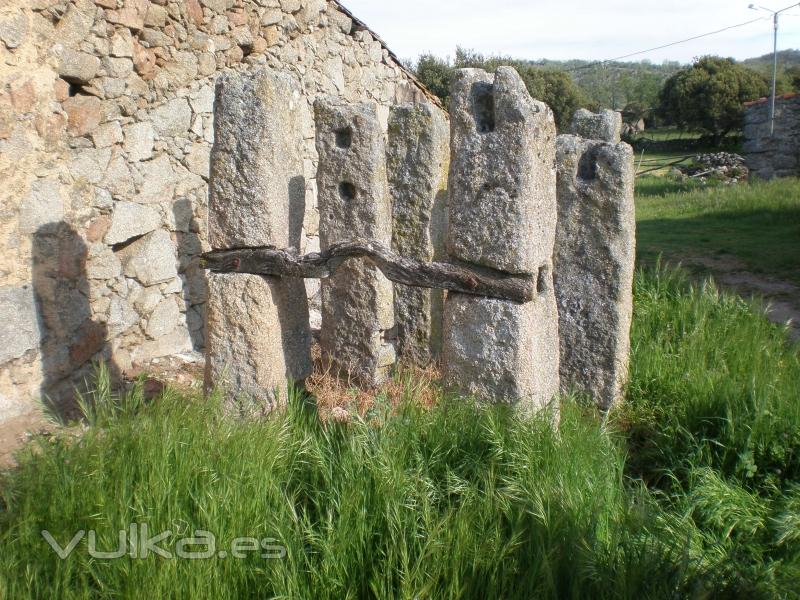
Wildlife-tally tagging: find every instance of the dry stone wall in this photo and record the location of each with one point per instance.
(106, 126)
(773, 155)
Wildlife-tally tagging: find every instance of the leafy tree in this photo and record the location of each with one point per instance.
(709, 95)
(792, 79)
(551, 86)
(436, 74)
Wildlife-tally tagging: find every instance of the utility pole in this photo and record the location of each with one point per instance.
(774, 73)
(775, 14)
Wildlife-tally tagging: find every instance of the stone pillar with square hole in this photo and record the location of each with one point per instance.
(594, 264)
(502, 215)
(258, 332)
(357, 301)
(418, 158)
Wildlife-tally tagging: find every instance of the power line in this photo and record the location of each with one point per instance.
(697, 37)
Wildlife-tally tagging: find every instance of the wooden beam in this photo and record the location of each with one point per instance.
(271, 261)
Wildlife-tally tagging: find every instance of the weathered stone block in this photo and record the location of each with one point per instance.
(257, 339)
(501, 351)
(102, 263)
(172, 118)
(122, 44)
(169, 345)
(139, 141)
(594, 264)
(77, 67)
(44, 204)
(19, 328)
(502, 208)
(107, 135)
(164, 318)
(84, 114)
(605, 126)
(502, 174)
(130, 220)
(257, 188)
(258, 333)
(13, 30)
(151, 259)
(158, 180)
(418, 158)
(353, 202)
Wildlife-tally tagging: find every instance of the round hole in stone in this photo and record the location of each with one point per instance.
(344, 137)
(347, 190)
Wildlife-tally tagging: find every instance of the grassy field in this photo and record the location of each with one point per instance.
(757, 223)
(657, 150)
(691, 490)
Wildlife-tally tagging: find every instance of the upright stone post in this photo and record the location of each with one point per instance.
(502, 212)
(353, 202)
(258, 330)
(605, 125)
(418, 158)
(594, 263)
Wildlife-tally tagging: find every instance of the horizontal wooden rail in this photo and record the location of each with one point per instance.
(271, 261)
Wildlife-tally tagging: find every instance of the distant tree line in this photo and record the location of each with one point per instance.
(706, 96)
(788, 69)
(555, 88)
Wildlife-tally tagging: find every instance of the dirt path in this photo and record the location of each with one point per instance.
(781, 297)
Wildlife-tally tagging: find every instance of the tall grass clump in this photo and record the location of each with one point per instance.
(712, 423)
(713, 383)
(690, 490)
(455, 501)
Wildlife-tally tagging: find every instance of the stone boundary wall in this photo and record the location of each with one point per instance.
(770, 156)
(538, 263)
(106, 127)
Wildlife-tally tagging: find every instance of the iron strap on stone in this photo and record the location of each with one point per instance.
(321, 265)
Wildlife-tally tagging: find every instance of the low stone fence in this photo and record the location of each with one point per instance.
(515, 275)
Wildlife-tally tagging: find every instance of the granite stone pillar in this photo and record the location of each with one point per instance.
(605, 125)
(357, 305)
(594, 264)
(418, 158)
(258, 332)
(502, 215)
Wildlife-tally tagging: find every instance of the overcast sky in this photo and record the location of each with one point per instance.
(564, 29)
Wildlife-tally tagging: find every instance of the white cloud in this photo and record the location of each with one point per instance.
(566, 29)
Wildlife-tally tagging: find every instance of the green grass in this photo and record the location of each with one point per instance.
(654, 163)
(692, 490)
(668, 134)
(656, 150)
(756, 223)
